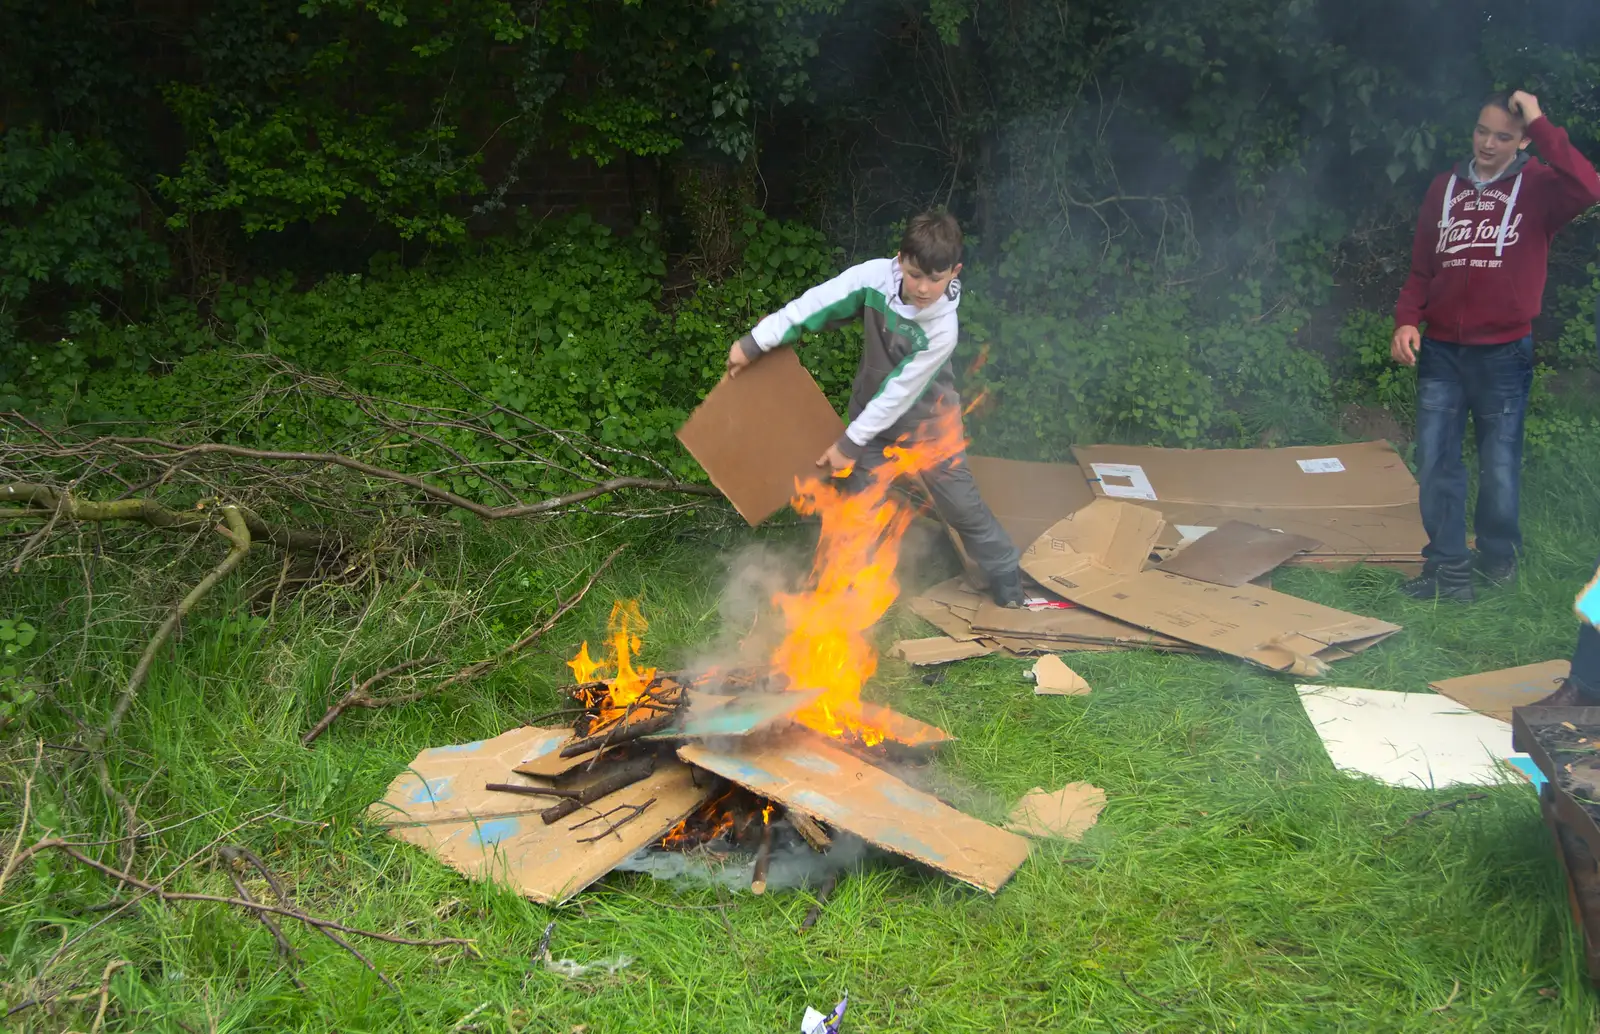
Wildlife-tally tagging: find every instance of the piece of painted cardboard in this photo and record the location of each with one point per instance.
(1407, 739)
(439, 803)
(1587, 605)
(1066, 813)
(544, 754)
(1236, 553)
(811, 775)
(1495, 693)
(1097, 558)
(758, 433)
(1359, 501)
(744, 714)
(939, 649)
(1052, 677)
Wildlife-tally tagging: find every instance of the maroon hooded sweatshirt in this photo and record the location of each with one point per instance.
(1479, 259)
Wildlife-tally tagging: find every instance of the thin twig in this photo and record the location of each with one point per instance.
(361, 696)
(1425, 812)
(237, 534)
(22, 827)
(105, 993)
(471, 671)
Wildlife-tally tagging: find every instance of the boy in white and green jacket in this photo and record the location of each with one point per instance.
(908, 306)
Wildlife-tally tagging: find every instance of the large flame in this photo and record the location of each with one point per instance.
(625, 628)
(852, 582)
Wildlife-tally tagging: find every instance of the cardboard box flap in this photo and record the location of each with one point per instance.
(447, 782)
(1270, 628)
(1363, 475)
(1026, 497)
(551, 863)
(1495, 693)
(1392, 533)
(1235, 553)
(752, 458)
(811, 775)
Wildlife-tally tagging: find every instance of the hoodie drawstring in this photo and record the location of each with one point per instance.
(1505, 220)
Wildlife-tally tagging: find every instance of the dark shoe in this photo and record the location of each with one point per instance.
(1442, 582)
(1006, 589)
(1566, 696)
(1496, 570)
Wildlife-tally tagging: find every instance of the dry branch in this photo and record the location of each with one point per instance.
(156, 891)
(471, 671)
(237, 533)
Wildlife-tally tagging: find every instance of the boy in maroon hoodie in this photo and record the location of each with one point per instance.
(1478, 268)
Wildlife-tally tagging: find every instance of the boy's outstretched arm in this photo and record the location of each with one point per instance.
(838, 299)
(905, 384)
(1579, 184)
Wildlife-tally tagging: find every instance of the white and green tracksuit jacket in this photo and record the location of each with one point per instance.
(905, 367)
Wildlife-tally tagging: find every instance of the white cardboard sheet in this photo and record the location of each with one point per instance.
(1419, 740)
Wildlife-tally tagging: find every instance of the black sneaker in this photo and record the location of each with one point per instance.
(1496, 570)
(1442, 582)
(1006, 589)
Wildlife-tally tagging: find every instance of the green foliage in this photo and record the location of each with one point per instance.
(15, 637)
(69, 232)
(1079, 357)
(1372, 376)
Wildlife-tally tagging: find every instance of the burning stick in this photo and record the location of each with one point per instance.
(758, 881)
(822, 899)
(810, 829)
(618, 734)
(622, 775)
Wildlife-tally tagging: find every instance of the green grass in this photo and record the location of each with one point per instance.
(1235, 882)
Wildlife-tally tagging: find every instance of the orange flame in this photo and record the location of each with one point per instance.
(625, 628)
(852, 582)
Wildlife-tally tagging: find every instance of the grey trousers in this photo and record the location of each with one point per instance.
(955, 496)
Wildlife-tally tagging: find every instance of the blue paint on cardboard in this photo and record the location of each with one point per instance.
(429, 791)
(819, 805)
(1525, 765)
(737, 769)
(907, 798)
(494, 831)
(457, 748)
(812, 762)
(900, 840)
(546, 746)
(1588, 604)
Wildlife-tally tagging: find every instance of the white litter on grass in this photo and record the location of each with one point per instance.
(572, 970)
(1408, 739)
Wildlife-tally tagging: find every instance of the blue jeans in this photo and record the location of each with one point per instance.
(1491, 382)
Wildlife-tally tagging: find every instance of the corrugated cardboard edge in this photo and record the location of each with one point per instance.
(808, 774)
(1538, 681)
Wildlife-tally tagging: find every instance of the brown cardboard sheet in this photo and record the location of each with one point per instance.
(1029, 497)
(439, 803)
(1495, 693)
(1052, 677)
(1078, 625)
(1067, 813)
(1236, 553)
(1358, 500)
(1096, 558)
(811, 775)
(939, 649)
(756, 433)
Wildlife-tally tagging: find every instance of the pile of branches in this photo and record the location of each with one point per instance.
(376, 470)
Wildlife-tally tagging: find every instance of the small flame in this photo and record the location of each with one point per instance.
(852, 582)
(766, 813)
(983, 396)
(980, 360)
(625, 629)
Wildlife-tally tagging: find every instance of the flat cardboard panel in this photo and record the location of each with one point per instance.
(1495, 693)
(1094, 558)
(1365, 511)
(1407, 739)
(756, 433)
(1374, 475)
(1236, 553)
(1052, 677)
(939, 649)
(1029, 497)
(547, 862)
(813, 776)
(439, 803)
(742, 715)
(1077, 625)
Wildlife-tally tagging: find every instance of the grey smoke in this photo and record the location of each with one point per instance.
(792, 865)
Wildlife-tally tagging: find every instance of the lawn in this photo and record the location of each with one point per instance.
(1235, 881)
